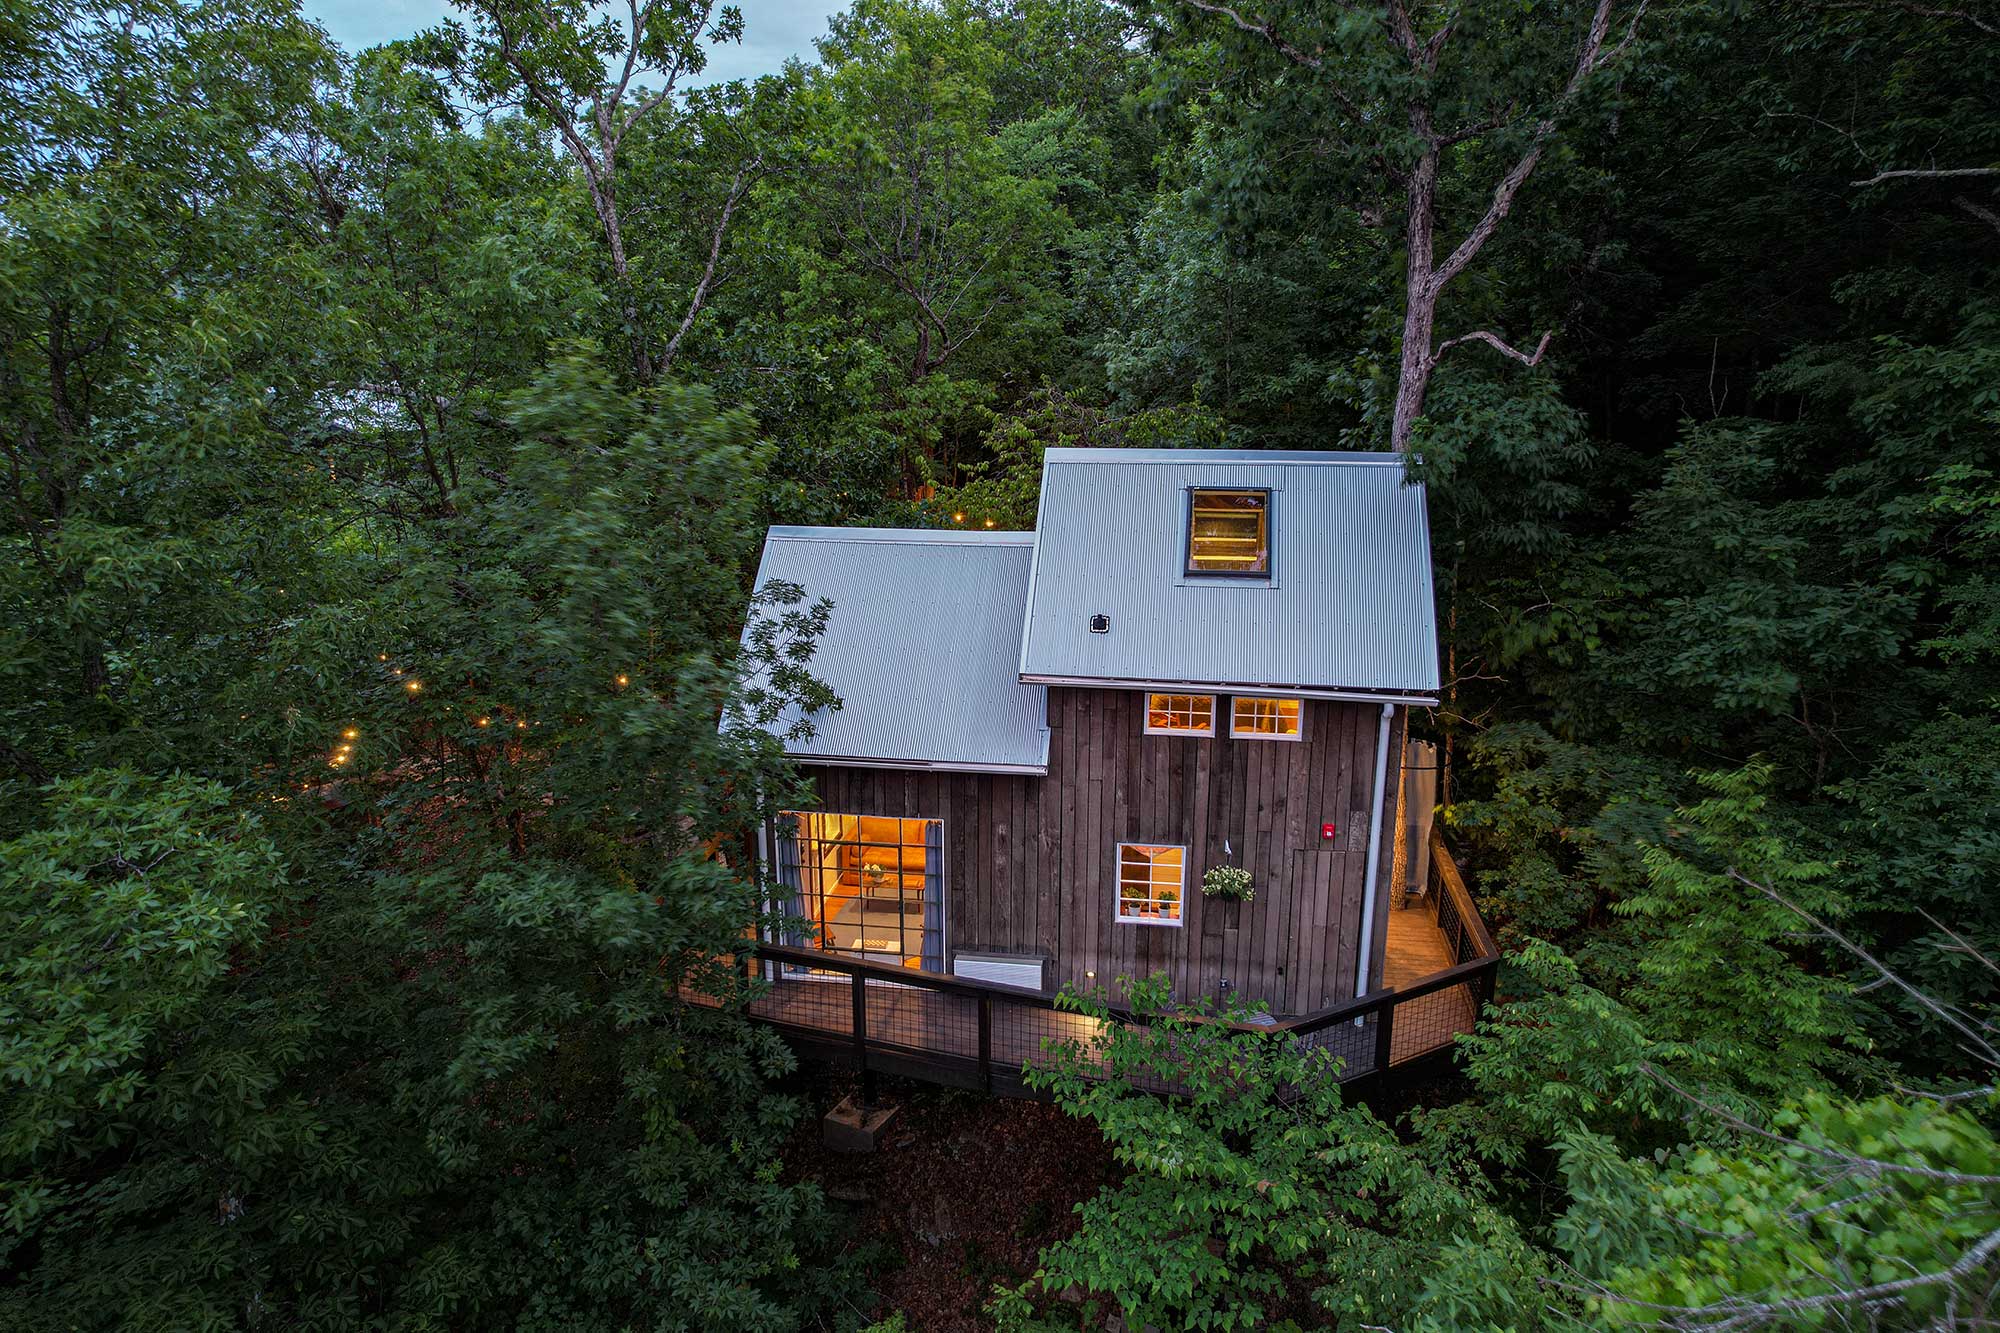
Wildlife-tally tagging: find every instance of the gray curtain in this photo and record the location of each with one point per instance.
(791, 895)
(933, 895)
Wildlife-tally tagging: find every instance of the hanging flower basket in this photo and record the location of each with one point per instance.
(1228, 882)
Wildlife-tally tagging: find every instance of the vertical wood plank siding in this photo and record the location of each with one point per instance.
(1031, 863)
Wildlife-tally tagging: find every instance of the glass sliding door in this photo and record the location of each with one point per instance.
(869, 886)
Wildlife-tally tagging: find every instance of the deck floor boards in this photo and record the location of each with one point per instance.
(935, 1023)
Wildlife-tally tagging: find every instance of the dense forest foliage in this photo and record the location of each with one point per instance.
(389, 437)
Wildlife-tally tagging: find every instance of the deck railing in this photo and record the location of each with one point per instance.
(983, 1034)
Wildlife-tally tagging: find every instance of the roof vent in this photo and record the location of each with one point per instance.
(1100, 624)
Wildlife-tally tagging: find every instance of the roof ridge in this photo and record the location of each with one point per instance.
(901, 536)
(1224, 457)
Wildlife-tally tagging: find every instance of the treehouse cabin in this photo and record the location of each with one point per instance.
(1046, 741)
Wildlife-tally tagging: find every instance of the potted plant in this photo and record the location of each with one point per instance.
(1228, 882)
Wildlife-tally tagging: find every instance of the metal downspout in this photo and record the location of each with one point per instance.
(1366, 951)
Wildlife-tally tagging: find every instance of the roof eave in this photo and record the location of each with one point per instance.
(1412, 698)
(1040, 770)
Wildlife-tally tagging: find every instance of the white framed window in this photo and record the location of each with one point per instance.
(1152, 879)
(1266, 719)
(1180, 715)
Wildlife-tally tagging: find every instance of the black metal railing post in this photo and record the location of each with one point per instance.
(861, 1039)
(986, 1043)
(1385, 1035)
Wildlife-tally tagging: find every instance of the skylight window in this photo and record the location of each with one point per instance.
(1229, 533)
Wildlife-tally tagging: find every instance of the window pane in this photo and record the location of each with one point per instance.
(1265, 717)
(1150, 879)
(1192, 713)
(1229, 532)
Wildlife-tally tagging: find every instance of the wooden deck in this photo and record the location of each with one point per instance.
(931, 1023)
(1440, 969)
(1417, 948)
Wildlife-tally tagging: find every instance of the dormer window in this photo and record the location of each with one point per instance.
(1229, 533)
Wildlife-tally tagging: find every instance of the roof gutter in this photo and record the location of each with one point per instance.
(1237, 687)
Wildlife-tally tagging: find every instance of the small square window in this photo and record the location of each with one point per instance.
(1150, 880)
(1229, 532)
(1180, 715)
(1266, 719)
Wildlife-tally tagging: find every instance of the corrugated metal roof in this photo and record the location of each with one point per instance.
(921, 646)
(1349, 606)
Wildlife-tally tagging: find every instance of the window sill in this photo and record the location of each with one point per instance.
(1148, 920)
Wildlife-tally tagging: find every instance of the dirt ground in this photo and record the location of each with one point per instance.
(964, 1193)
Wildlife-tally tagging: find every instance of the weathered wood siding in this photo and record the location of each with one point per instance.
(1031, 863)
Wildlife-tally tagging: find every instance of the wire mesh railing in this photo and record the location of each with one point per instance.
(983, 1034)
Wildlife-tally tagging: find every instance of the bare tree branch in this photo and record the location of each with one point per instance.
(1980, 211)
(1266, 30)
(1980, 1045)
(1929, 173)
(1494, 341)
(746, 176)
(1925, 11)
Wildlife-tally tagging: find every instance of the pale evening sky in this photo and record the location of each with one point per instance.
(772, 29)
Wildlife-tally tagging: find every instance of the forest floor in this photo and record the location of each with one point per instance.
(964, 1192)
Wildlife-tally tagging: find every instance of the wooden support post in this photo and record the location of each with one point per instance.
(1385, 1035)
(985, 1043)
(861, 1040)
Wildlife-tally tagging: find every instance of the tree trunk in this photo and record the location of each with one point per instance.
(614, 237)
(1420, 289)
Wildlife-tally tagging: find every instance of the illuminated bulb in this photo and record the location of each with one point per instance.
(352, 733)
(482, 722)
(989, 522)
(522, 725)
(381, 657)
(624, 680)
(958, 518)
(413, 685)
